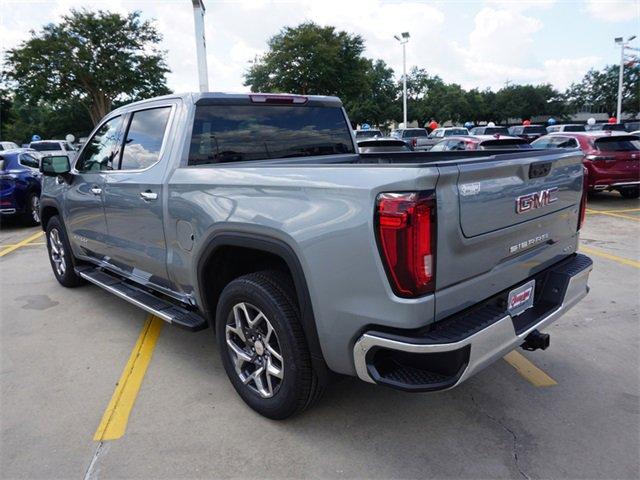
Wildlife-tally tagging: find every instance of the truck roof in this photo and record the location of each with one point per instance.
(216, 98)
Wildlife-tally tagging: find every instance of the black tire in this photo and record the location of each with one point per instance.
(57, 240)
(271, 293)
(630, 192)
(31, 215)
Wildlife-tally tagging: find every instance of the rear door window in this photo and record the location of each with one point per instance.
(238, 133)
(144, 138)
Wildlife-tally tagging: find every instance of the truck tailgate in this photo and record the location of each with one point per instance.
(501, 220)
(495, 195)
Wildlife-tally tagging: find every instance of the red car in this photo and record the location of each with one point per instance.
(612, 158)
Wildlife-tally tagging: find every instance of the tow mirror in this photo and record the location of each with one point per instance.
(55, 165)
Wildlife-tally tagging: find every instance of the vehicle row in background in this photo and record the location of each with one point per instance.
(481, 142)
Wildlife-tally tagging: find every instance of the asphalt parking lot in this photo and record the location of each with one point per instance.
(573, 412)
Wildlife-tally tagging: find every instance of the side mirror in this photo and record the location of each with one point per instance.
(55, 165)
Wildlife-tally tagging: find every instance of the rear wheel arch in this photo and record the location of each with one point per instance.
(258, 251)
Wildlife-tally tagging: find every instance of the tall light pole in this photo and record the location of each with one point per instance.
(403, 39)
(201, 44)
(620, 41)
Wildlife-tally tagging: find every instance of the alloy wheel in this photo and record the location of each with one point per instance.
(254, 349)
(35, 208)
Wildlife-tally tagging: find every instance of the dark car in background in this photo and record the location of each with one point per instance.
(612, 159)
(528, 132)
(382, 144)
(481, 142)
(498, 129)
(20, 185)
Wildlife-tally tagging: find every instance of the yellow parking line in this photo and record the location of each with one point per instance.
(26, 245)
(612, 213)
(115, 418)
(11, 248)
(608, 256)
(621, 210)
(528, 370)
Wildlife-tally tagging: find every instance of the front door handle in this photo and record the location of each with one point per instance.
(148, 195)
(96, 190)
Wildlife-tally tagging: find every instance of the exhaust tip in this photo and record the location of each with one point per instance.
(536, 340)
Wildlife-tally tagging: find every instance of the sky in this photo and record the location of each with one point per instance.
(478, 44)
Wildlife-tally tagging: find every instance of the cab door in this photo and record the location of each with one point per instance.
(133, 197)
(84, 211)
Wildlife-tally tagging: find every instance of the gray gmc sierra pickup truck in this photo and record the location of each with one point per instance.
(255, 215)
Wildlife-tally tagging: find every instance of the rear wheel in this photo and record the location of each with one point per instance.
(60, 256)
(630, 192)
(263, 347)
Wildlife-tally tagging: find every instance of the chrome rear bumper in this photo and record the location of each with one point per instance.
(475, 351)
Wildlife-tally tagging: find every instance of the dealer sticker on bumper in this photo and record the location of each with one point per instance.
(521, 298)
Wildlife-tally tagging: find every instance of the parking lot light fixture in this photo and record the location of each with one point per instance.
(623, 44)
(403, 38)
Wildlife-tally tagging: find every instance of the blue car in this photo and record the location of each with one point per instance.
(20, 182)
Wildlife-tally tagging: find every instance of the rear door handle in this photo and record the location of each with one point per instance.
(96, 190)
(148, 195)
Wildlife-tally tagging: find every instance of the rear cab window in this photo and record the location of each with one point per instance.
(618, 144)
(236, 133)
(505, 144)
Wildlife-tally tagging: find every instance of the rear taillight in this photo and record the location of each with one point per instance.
(414, 142)
(406, 230)
(583, 199)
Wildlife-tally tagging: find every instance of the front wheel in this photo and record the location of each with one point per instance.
(60, 254)
(263, 347)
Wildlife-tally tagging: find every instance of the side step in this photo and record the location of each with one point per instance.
(159, 307)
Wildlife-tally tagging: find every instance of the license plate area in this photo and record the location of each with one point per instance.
(521, 298)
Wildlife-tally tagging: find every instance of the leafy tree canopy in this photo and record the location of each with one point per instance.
(598, 90)
(90, 58)
(314, 60)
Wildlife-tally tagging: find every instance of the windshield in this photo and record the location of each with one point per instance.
(494, 130)
(237, 133)
(535, 129)
(368, 133)
(456, 131)
(574, 128)
(418, 132)
(45, 146)
(618, 144)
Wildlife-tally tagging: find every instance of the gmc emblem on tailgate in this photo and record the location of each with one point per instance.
(540, 199)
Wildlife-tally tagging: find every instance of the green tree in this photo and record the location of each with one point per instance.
(598, 90)
(311, 60)
(377, 101)
(526, 101)
(93, 59)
